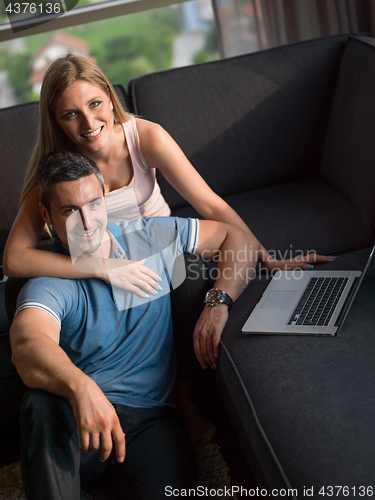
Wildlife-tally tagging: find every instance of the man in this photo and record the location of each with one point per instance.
(98, 369)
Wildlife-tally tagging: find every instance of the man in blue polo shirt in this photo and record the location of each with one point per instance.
(100, 362)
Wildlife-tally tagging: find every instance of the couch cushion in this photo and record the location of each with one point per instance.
(305, 402)
(301, 215)
(122, 95)
(247, 121)
(349, 153)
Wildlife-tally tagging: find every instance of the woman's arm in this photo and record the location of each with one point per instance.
(162, 152)
(23, 260)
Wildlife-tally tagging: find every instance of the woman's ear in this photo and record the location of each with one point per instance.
(111, 105)
(45, 215)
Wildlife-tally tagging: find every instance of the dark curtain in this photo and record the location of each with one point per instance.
(249, 25)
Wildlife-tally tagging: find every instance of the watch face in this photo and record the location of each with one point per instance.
(215, 297)
(212, 295)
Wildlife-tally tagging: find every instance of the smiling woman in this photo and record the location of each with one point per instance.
(84, 113)
(79, 111)
(82, 109)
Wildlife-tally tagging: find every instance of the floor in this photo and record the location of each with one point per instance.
(210, 404)
(240, 471)
(9, 454)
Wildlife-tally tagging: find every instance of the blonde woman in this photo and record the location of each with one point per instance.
(80, 111)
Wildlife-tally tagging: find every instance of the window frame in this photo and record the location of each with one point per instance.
(81, 15)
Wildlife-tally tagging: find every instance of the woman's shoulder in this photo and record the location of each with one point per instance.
(146, 126)
(151, 134)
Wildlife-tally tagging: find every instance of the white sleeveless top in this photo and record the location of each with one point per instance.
(142, 196)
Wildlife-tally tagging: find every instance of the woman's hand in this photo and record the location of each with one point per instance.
(133, 276)
(129, 275)
(301, 262)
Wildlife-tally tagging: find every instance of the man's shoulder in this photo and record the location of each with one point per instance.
(169, 221)
(55, 286)
(54, 295)
(148, 224)
(165, 231)
(49, 281)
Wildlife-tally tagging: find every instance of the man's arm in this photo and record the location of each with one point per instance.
(236, 254)
(42, 364)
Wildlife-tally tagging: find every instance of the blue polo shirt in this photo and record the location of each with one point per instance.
(123, 342)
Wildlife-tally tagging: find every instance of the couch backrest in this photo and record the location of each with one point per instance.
(18, 125)
(247, 121)
(349, 154)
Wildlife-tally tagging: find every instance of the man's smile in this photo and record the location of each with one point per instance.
(87, 234)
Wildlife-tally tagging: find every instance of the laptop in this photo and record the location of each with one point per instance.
(300, 302)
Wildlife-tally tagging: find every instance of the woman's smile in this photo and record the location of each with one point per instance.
(94, 134)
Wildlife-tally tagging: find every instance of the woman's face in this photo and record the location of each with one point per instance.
(84, 112)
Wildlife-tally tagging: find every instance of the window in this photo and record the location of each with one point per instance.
(124, 47)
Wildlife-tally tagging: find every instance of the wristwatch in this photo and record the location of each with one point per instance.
(215, 296)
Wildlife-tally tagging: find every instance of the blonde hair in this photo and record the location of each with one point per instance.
(59, 76)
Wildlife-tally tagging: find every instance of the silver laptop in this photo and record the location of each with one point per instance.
(305, 302)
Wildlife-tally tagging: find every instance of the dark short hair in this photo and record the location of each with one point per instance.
(61, 167)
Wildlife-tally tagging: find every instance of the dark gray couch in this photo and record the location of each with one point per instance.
(287, 137)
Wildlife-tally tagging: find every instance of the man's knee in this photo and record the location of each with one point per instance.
(36, 401)
(46, 412)
(39, 405)
(50, 454)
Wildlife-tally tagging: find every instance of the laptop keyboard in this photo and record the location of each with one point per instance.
(318, 302)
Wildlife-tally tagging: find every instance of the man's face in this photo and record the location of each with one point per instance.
(78, 214)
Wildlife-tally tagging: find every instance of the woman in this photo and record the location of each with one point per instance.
(79, 111)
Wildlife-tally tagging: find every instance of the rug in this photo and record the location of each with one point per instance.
(213, 475)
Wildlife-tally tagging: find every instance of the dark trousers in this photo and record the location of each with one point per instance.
(158, 452)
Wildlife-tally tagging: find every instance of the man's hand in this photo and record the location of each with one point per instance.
(207, 334)
(97, 421)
